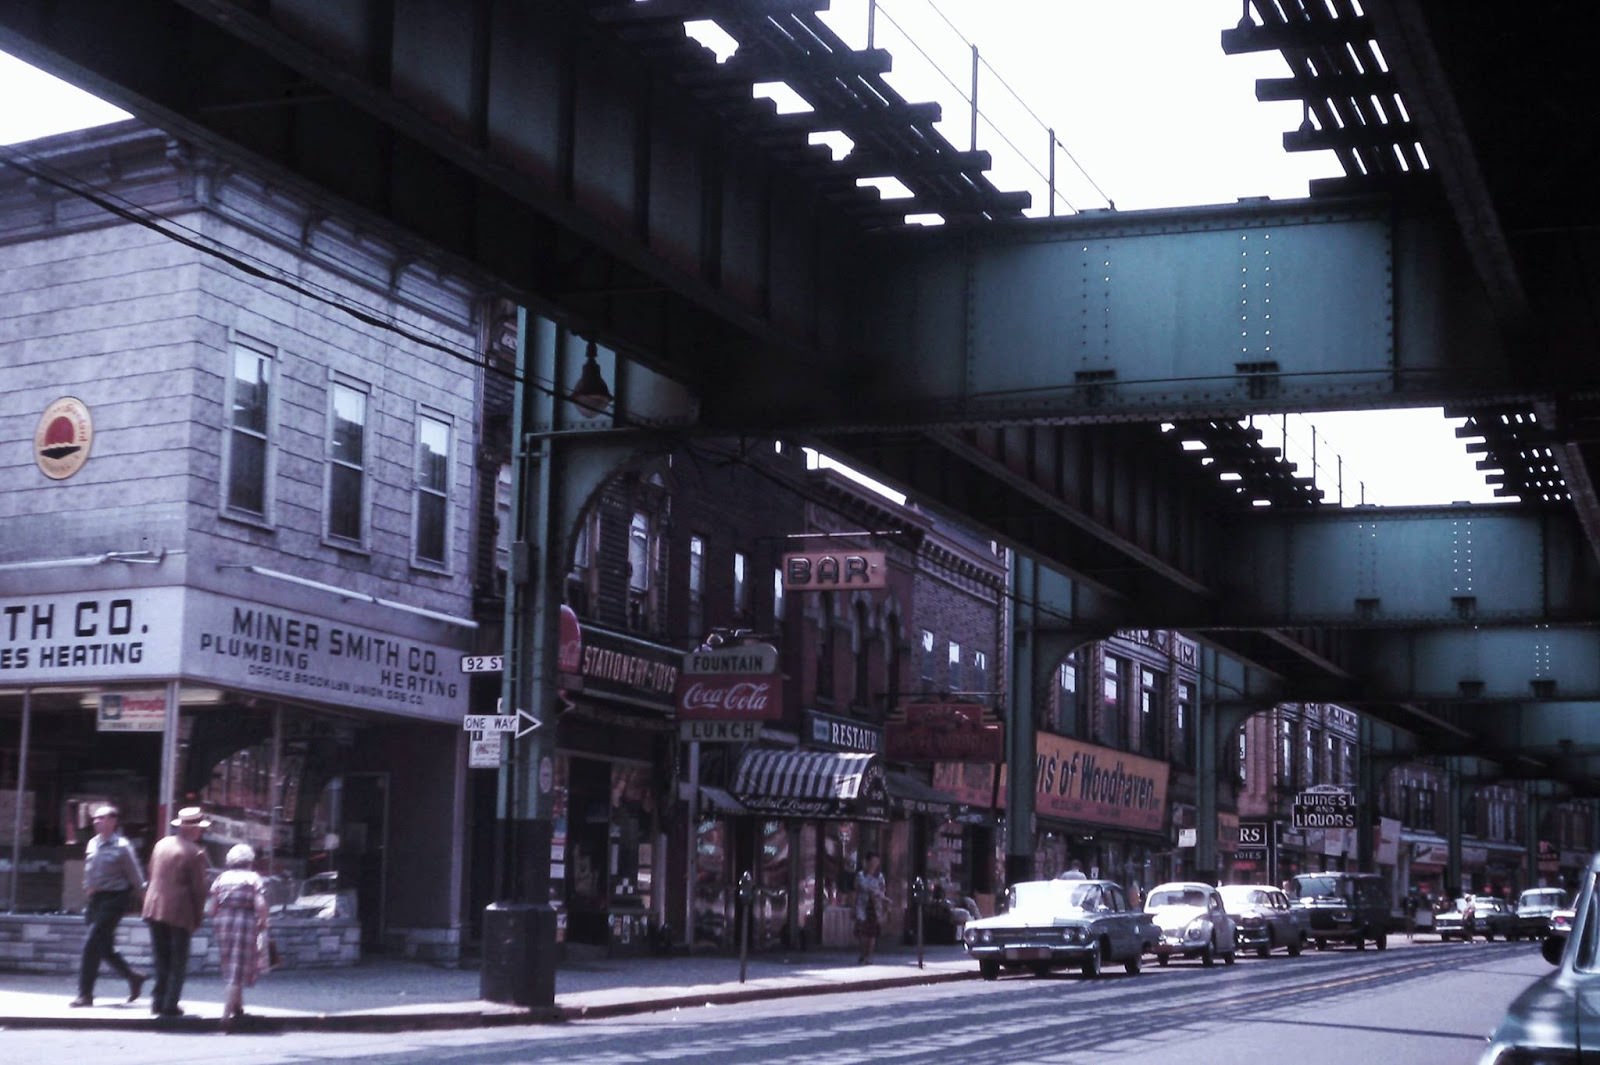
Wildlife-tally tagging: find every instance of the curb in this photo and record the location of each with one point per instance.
(440, 1020)
(754, 994)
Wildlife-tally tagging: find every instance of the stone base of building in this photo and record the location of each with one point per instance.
(440, 946)
(53, 943)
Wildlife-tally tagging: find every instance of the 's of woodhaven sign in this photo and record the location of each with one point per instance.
(825, 571)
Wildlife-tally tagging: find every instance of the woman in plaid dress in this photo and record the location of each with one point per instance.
(238, 907)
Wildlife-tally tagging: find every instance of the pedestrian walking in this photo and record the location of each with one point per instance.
(237, 905)
(174, 906)
(111, 875)
(871, 904)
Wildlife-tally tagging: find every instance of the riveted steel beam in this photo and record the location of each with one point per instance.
(1250, 308)
(1395, 566)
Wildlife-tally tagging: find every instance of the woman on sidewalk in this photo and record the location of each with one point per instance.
(238, 907)
(871, 905)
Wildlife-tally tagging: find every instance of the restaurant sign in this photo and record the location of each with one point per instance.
(943, 732)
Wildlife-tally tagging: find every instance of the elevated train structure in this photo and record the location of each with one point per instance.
(1037, 377)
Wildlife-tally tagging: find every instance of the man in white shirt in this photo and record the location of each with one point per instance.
(111, 874)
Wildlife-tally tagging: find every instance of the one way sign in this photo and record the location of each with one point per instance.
(501, 723)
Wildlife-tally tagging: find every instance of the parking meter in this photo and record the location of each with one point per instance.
(919, 897)
(747, 898)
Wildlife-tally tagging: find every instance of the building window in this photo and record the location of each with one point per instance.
(1112, 724)
(347, 459)
(697, 587)
(1150, 686)
(953, 677)
(825, 634)
(741, 588)
(640, 560)
(1244, 756)
(433, 488)
(925, 666)
(249, 434)
(1182, 716)
(863, 633)
(980, 673)
(1308, 761)
(777, 593)
(1285, 751)
(892, 666)
(583, 577)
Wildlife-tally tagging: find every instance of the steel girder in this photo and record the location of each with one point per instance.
(1405, 566)
(1257, 307)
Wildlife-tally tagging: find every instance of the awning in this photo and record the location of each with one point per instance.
(916, 796)
(720, 801)
(834, 785)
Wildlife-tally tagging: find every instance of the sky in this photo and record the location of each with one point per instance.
(1149, 113)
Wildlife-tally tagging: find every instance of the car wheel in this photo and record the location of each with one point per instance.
(1296, 947)
(1208, 957)
(989, 970)
(1360, 941)
(1231, 957)
(1161, 960)
(1091, 964)
(1134, 964)
(1488, 937)
(1322, 944)
(1381, 940)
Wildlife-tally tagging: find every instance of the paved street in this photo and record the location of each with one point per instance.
(1426, 1004)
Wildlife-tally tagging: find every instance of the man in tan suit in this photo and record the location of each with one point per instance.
(174, 906)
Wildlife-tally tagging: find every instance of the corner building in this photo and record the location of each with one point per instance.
(248, 585)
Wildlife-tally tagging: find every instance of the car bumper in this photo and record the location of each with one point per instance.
(1177, 945)
(1056, 954)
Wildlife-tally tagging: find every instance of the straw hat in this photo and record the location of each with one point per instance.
(190, 817)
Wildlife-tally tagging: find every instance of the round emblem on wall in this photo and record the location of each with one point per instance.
(61, 442)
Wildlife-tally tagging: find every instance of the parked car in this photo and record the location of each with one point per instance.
(1458, 921)
(1194, 923)
(1477, 915)
(1554, 1019)
(1497, 917)
(1534, 908)
(1343, 907)
(1560, 923)
(1265, 919)
(1061, 924)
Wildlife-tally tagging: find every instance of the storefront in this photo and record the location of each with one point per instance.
(810, 817)
(288, 724)
(615, 744)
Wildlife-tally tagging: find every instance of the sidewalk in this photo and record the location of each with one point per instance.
(386, 995)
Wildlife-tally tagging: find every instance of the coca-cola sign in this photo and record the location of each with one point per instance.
(730, 697)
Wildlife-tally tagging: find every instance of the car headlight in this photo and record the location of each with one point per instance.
(1198, 928)
(978, 936)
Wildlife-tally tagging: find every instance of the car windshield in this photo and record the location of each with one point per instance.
(1054, 895)
(1176, 897)
(1244, 896)
(1554, 898)
(1316, 887)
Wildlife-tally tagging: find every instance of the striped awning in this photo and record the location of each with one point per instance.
(834, 785)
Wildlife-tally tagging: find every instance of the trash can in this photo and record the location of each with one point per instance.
(519, 954)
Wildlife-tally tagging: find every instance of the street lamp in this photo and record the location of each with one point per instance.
(591, 392)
